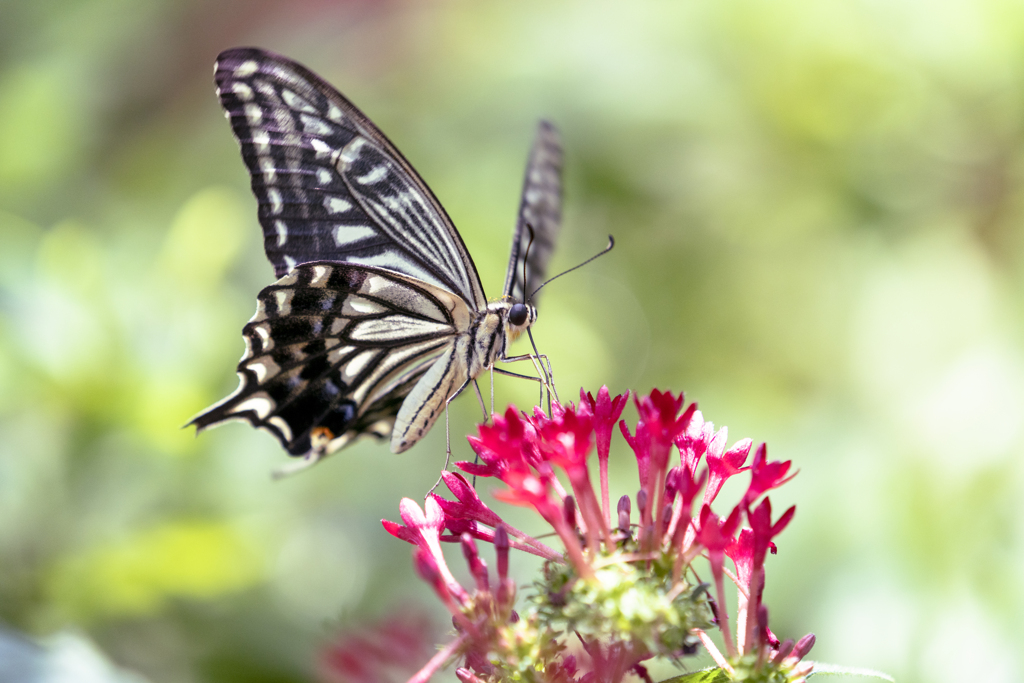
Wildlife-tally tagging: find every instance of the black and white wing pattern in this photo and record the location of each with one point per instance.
(540, 207)
(330, 185)
(333, 350)
(378, 317)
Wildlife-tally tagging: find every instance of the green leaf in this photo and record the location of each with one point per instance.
(821, 669)
(716, 675)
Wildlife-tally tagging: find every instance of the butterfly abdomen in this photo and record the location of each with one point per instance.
(472, 352)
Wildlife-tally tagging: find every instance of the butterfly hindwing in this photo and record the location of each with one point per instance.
(540, 207)
(330, 185)
(332, 352)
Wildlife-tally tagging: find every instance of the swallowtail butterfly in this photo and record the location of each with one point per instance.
(378, 317)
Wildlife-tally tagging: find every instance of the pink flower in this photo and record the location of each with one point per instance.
(716, 533)
(641, 446)
(693, 441)
(534, 491)
(605, 412)
(748, 554)
(660, 412)
(722, 466)
(504, 445)
(468, 504)
(424, 529)
(763, 529)
(766, 475)
(742, 555)
(565, 441)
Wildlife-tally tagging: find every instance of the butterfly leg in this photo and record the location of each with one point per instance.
(448, 448)
(508, 373)
(542, 364)
(540, 382)
(549, 375)
(448, 432)
(480, 398)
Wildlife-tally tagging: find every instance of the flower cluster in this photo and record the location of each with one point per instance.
(625, 587)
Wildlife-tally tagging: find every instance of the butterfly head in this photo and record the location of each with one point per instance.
(519, 317)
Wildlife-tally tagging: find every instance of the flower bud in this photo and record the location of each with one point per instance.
(666, 517)
(624, 505)
(569, 506)
(641, 504)
(672, 483)
(501, 546)
(803, 646)
(784, 650)
(477, 567)
(762, 619)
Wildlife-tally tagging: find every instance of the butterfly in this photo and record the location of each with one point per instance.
(378, 317)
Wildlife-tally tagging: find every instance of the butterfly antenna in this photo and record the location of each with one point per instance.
(611, 244)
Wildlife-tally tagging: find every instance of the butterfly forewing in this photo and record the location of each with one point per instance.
(330, 185)
(540, 208)
(333, 350)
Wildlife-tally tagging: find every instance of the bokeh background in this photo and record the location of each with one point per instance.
(818, 209)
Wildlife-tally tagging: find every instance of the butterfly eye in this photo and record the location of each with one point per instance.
(518, 314)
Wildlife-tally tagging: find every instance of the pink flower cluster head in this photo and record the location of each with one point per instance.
(608, 560)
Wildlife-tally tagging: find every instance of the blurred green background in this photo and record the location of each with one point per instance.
(817, 206)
